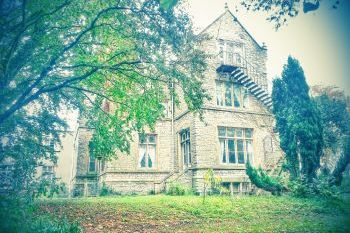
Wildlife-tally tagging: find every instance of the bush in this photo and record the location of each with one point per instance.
(319, 187)
(177, 189)
(45, 224)
(107, 191)
(261, 180)
(151, 192)
(212, 183)
(16, 216)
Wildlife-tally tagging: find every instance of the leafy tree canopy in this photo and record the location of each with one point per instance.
(280, 10)
(336, 121)
(84, 55)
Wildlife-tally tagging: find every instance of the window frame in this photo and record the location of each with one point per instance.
(236, 102)
(228, 137)
(225, 47)
(48, 172)
(147, 144)
(92, 160)
(185, 142)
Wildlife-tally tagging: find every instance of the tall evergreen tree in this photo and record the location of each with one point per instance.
(298, 121)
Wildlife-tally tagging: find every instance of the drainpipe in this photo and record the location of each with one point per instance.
(172, 123)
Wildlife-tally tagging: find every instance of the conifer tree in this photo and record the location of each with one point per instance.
(298, 122)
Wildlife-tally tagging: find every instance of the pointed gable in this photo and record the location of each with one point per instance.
(220, 25)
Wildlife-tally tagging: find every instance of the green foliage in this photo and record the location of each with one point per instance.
(342, 163)
(298, 122)
(107, 191)
(319, 187)
(177, 189)
(335, 117)
(151, 192)
(85, 55)
(212, 184)
(17, 216)
(279, 12)
(168, 4)
(261, 180)
(50, 188)
(48, 225)
(336, 120)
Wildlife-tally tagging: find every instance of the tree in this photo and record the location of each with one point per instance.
(262, 180)
(336, 123)
(211, 184)
(343, 162)
(82, 54)
(279, 11)
(298, 122)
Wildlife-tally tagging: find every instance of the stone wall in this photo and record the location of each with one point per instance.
(124, 174)
(229, 29)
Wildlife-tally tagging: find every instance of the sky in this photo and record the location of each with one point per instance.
(320, 40)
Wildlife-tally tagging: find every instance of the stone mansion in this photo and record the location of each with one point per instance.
(237, 127)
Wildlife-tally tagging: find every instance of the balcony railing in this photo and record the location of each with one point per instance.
(236, 60)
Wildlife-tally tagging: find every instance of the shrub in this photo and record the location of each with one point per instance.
(16, 216)
(320, 187)
(107, 191)
(45, 224)
(177, 189)
(212, 183)
(261, 180)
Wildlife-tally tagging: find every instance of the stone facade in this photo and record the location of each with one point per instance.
(126, 175)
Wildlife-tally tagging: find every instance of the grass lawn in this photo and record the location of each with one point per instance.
(162, 213)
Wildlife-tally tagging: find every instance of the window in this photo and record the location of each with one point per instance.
(231, 94)
(221, 50)
(101, 165)
(245, 98)
(167, 109)
(237, 187)
(186, 146)
(47, 169)
(6, 172)
(48, 172)
(246, 187)
(92, 164)
(231, 53)
(236, 145)
(147, 151)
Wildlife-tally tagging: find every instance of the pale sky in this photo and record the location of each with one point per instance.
(319, 40)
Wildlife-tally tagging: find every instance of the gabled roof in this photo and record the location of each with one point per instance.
(235, 18)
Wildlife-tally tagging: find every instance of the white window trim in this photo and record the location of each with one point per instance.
(183, 144)
(235, 138)
(220, 86)
(147, 144)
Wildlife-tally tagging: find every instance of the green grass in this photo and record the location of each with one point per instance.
(188, 214)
